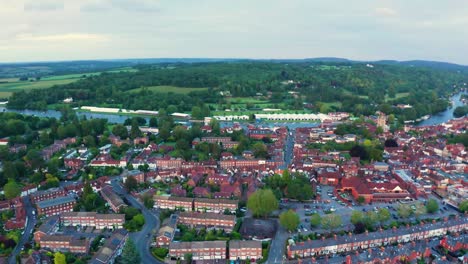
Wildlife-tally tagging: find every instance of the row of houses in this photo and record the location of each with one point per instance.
(217, 250)
(377, 239)
(195, 204)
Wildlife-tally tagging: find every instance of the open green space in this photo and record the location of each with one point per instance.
(168, 89)
(246, 100)
(397, 96)
(10, 85)
(6, 89)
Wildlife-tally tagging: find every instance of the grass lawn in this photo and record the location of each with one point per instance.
(167, 89)
(397, 96)
(245, 100)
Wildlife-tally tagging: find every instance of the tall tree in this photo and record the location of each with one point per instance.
(432, 206)
(262, 202)
(383, 215)
(289, 220)
(135, 129)
(331, 221)
(12, 189)
(59, 258)
(130, 183)
(120, 131)
(130, 254)
(315, 220)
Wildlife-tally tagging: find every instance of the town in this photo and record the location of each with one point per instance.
(283, 189)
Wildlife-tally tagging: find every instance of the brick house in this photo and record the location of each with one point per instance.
(111, 248)
(56, 206)
(203, 250)
(99, 221)
(167, 231)
(114, 201)
(208, 220)
(47, 195)
(215, 205)
(173, 203)
(245, 250)
(65, 244)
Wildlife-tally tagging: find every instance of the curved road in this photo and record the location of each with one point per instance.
(141, 238)
(30, 223)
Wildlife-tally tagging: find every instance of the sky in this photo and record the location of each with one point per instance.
(50, 30)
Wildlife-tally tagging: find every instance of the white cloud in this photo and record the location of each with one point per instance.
(44, 5)
(386, 11)
(62, 37)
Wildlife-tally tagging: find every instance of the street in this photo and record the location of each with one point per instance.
(30, 224)
(141, 238)
(277, 246)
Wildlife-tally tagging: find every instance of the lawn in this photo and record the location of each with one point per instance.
(167, 89)
(245, 100)
(397, 96)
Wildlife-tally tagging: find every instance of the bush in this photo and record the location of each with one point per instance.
(160, 252)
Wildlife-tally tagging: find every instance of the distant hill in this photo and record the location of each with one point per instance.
(39, 69)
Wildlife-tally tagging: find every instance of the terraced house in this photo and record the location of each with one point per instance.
(208, 220)
(56, 206)
(215, 205)
(375, 239)
(173, 203)
(99, 221)
(203, 250)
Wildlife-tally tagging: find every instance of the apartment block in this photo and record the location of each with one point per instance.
(208, 220)
(203, 250)
(173, 203)
(56, 206)
(47, 195)
(245, 250)
(65, 244)
(99, 221)
(215, 205)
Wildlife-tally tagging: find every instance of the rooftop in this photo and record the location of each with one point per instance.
(56, 201)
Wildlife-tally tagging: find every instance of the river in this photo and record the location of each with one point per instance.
(120, 119)
(112, 118)
(446, 115)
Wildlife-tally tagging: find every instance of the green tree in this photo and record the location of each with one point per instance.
(357, 217)
(59, 258)
(432, 206)
(148, 201)
(463, 206)
(383, 215)
(12, 189)
(404, 210)
(120, 131)
(130, 183)
(361, 199)
(419, 209)
(262, 202)
(315, 220)
(289, 220)
(371, 219)
(130, 254)
(153, 122)
(331, 221)
(260, 150)
(135, 129)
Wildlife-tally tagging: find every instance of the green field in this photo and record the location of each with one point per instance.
(10, 85)
(397, 96)
(6, 89)
(167, 89)
(246, 100)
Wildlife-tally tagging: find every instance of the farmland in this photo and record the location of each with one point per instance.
(10, 85)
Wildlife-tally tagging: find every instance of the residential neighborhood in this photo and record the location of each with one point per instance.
(266, 192)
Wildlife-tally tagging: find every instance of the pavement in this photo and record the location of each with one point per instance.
(142, 239)
(30, 224)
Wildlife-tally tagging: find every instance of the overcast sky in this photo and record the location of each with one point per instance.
(42, 30)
